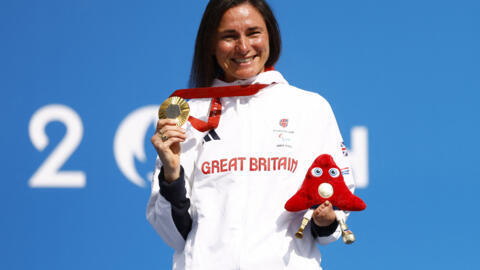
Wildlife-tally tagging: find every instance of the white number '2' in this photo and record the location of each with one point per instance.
(48, 174)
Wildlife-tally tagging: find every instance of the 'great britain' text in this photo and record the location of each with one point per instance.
(250, 164)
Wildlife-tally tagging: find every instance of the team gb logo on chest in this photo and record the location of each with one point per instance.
(284, 122)
(283, 135)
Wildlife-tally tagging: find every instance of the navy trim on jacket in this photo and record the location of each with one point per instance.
(176, 194)
(318, 231)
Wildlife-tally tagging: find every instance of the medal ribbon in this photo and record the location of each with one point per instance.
(216, 106)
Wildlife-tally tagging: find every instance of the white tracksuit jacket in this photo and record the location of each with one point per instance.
(239, 183)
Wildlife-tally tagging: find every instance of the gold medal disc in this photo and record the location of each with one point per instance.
(174, 108)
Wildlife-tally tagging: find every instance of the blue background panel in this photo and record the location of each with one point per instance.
(406, 70)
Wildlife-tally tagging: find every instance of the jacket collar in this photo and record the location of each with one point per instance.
(267, 77)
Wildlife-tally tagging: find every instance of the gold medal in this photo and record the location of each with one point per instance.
(174, 108)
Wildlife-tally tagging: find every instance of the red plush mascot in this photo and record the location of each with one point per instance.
(324, 181)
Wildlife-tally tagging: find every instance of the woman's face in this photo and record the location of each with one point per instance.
(241, 43)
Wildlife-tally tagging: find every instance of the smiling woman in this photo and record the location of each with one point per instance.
(242, 47)
(205, 66)
(218, 195)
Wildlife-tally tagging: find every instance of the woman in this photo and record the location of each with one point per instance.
(218, 196)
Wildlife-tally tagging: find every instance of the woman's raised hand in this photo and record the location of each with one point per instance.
(166, 140)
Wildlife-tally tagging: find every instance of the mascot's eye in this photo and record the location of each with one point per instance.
(334, 172)
(317, 172)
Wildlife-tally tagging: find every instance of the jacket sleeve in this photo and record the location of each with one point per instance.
(334, 146)
(163, 206)
(176, 193)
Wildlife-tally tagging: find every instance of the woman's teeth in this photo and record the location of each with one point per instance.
(243, 60)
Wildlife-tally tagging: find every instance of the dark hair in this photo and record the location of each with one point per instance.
(204, 65)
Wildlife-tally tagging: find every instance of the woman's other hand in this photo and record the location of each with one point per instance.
(324, 215)
(166, 140)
